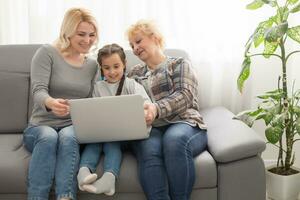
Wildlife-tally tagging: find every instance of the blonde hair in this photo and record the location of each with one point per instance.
(72, 19)
(148, 28)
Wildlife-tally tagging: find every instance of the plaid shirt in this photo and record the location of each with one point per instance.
(172, 87)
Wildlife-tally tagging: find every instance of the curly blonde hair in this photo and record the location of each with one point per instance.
(148, 28)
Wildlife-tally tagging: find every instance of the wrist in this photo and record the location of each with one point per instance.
(156, 115)
(48, 103)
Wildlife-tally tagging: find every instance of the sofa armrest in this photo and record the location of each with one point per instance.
(229, 139)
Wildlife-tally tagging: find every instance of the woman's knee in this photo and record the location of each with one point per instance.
(151, 147)
(67, 135)
(184, 140)
(47, 135)
(36, 135)
(178, 137)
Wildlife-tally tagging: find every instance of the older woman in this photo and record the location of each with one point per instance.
(59, 72)
(178, 132)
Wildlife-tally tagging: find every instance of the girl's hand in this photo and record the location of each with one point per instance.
(150, 113)
(60, 107)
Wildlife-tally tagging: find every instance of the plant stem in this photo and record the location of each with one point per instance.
(265, 54)
(289, 139)
(287, 57)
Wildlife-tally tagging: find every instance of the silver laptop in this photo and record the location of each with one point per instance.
(113, 118)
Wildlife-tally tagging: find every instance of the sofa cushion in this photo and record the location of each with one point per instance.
(13, 165)
(14, 89)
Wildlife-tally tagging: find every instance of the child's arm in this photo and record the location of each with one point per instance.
(139, 89)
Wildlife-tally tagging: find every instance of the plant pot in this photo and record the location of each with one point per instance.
(281, 187)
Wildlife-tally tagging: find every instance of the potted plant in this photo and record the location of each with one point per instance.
(279, 108)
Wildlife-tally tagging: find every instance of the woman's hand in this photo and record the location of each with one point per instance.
(150, 113)
(60, 107)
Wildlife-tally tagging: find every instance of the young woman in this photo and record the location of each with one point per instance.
(112, 61)
(59, 72)
(178, 132)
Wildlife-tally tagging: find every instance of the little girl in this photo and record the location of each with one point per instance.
(112, 62)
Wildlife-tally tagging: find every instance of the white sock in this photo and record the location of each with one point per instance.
(106, 185)
(84, 176)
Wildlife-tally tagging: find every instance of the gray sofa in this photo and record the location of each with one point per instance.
(230, 169)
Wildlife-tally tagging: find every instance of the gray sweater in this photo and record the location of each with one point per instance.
(103, 88)
(52, 76)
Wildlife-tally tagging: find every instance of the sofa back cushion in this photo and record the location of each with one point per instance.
(15, 86)
(133, 60)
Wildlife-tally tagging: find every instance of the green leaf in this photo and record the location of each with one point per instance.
(260, 116)
(244, 117)
(270, 48)
(294, 33)
(255, 5)
(256, 112)
(295, 9)
(282, 15)
(298, 125)
(244, 74)
(275, 91)
(276, 95)
(297, 94)
(268, 118)
(292, 1)
(297, 110)
(260, 31)
(275, 33)
(278, 120)
(273, 134)
(271, 3)
(275, 110)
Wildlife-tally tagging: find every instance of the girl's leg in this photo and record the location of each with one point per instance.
(67, 164)
(113, 157)
(181, 143)
(90, 156)
(88, 163)
(112, 163)
(41, 141)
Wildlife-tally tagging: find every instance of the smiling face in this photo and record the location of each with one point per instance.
(112, 68)
(84, 38)
(143, 46)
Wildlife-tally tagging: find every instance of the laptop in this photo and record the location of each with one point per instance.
(111, 118)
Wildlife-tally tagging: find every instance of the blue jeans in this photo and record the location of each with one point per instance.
(166, 159)
(112, 159)
(55, 155)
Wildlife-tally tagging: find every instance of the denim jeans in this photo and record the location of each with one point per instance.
(112, 159)
(55, 155)
(166, 159)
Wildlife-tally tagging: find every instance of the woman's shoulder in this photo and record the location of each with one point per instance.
(44, 53)
(177, 60)
(138, 67)
(46, 50)
(137, 70)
